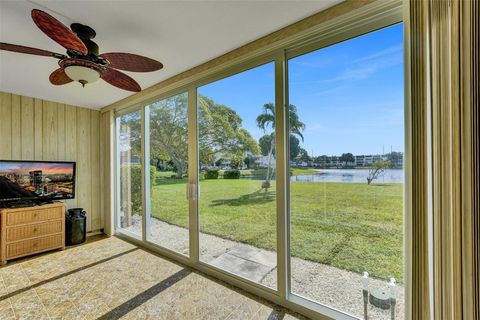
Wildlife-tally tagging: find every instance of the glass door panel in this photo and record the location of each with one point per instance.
(129, 179)
(237, 199)
(168, 226)
(346, 182)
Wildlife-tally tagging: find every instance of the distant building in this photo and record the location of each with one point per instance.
(49, 188)
(397, 162)
(364, 160)
(36, 180)
(262, 161)
(368, 160)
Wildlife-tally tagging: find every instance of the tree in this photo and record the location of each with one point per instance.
(294, 146)
(129, 139)
(321, 160)
(395, 157)
(219, 162)
(169, 132)
(236, 162)
(265, 143)
(377, 169)
(249, 161)
(266, 121)
(303, 156)
(347, 158)
(220, 131)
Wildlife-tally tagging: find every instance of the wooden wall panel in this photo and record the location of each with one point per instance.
(95, 166)
(61, 131)
(6, 126)
(27, 129)
(38, 123)
(70, 133)
(50, 136)
(71, 142)
(101, 148)
(84, 175)
(43, 130)
(16, 127)
(108, 183)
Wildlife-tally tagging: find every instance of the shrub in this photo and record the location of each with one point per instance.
(231, 174)
(259, 172)
(211, 174)
(136, 186)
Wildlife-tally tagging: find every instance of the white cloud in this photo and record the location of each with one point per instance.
(317, 63)
(364, 67)
(388, 52)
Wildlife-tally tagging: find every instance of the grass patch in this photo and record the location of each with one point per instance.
(351, 226)
(263, 172)
(302, 171)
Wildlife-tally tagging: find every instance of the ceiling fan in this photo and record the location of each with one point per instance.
(83, 63)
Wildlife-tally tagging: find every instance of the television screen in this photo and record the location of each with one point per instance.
(36, 180)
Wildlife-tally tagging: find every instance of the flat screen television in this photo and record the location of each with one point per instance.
(36, 181)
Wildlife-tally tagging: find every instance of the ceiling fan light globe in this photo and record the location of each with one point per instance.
(82, 74)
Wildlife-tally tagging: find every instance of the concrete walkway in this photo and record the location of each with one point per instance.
(337, 288)
(247, 261)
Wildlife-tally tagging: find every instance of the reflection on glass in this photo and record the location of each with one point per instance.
(168, 170)
(130, 179)
(346, 184)
(236, 123)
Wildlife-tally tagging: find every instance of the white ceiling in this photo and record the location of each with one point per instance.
(180, 34)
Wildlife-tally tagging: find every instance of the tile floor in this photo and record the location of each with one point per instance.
(338, 288)
(108, 278)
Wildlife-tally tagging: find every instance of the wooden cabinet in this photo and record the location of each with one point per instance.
(25, 231)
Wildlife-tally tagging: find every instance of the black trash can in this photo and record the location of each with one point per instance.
(75, 226)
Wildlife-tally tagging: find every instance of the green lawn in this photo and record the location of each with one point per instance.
(302, 171)
(352, 226)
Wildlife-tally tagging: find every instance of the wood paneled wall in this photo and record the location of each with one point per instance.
(35, 129)
(107, 156)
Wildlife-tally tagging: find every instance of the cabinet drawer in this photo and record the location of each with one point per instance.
(33, 230)
(29, 246)
(30, 216)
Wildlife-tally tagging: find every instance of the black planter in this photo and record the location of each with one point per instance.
(75, 226)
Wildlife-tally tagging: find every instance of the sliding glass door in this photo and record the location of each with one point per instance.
(283, 174)
(237, 200)
(346, 183)
(168, 153)
(129, 173)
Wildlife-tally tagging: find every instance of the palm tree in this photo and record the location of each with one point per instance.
(266, 119)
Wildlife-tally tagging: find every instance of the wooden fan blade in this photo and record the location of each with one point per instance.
(58, 32)
(120, 80)
(131, 62)
(59, 77)
(28, 50)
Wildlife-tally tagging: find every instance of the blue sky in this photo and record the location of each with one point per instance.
(349, 95)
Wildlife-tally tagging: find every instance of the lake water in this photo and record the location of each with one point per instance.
(343, 175)
(350, 175)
